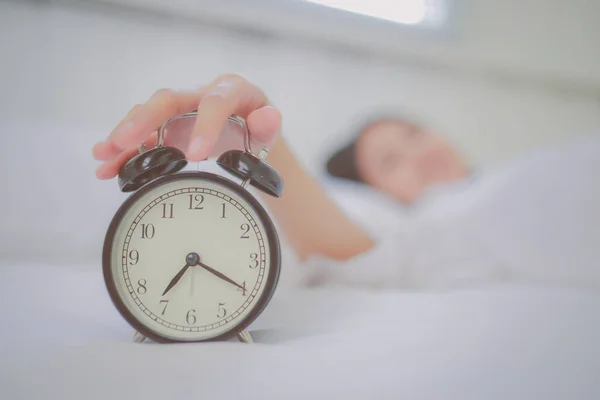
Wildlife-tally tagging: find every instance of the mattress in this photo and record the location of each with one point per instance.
(61, 338)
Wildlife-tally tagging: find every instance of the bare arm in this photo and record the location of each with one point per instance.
(311, 222)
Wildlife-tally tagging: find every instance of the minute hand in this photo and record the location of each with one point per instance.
(220, 275)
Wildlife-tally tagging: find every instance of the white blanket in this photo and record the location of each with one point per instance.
(536, 219)
(61, 338)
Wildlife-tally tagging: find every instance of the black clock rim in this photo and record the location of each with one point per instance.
(274, 248)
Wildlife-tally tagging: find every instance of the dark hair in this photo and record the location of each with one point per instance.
(342, 163)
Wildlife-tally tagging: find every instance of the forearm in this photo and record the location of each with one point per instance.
(311, 221)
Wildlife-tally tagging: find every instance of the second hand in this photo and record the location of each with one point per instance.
(192, 282)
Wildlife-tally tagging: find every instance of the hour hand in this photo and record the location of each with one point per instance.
(176, 279)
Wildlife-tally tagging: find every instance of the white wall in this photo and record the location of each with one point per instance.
(547, 41)
(69, 74)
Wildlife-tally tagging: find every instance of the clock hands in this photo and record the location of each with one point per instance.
(192, 283)
(176, 279)
(193, 260)
(220, 275)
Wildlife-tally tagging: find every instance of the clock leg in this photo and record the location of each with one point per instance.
(244, 336)
(138, 337)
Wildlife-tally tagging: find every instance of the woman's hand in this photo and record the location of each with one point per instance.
(226, 95)
(312, 223)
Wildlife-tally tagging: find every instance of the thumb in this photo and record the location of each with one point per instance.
(264, 125)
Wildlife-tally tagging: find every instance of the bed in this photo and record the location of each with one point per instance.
(62, 339)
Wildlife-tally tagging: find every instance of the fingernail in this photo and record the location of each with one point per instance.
(195, 145)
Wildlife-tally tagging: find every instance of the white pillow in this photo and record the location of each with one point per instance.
(375, 211)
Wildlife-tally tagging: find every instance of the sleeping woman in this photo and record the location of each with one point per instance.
(534, 219)
(399, 158)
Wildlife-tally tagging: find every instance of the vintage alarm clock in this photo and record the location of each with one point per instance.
(191, 256)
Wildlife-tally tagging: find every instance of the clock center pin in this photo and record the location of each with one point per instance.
(192, 259)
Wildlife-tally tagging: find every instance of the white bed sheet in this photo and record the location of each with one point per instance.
(534, 219)
(61, 338)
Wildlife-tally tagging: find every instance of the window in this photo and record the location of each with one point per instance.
(410, 12)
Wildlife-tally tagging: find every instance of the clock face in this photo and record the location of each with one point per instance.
(191, 257)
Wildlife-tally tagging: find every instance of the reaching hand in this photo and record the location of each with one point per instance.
(227, 95)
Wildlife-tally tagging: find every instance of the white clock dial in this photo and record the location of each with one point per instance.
(191, 259)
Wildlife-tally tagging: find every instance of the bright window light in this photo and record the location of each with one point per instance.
(409, 12)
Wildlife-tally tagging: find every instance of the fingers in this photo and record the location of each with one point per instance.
(111, 167)
(230, 96)
(227, 95)
(144, 119)
(162, 105)
(107, 150)
(104, 151)
(213, 110)
(264, 124)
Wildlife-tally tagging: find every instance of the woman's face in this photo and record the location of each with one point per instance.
(403, 161)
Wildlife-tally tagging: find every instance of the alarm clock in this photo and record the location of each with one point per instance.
(192, 256)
